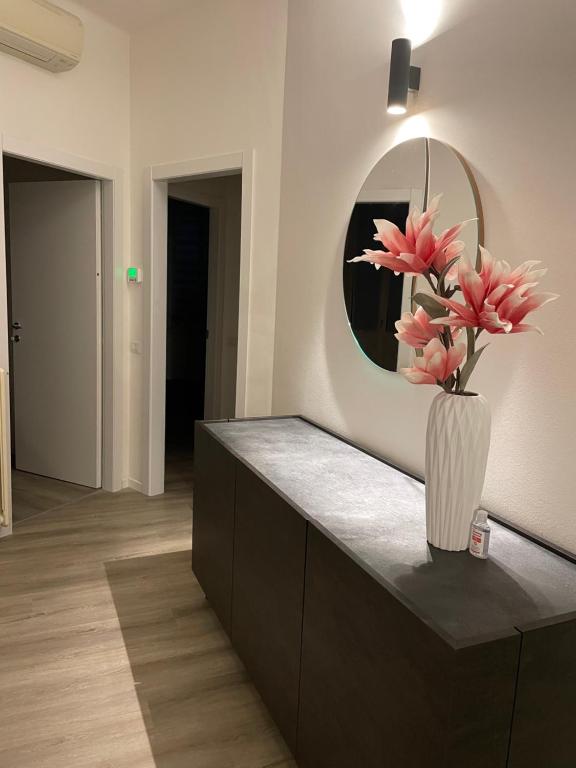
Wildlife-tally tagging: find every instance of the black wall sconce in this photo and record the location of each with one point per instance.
(403, 76)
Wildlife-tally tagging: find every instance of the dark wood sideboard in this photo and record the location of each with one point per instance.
(370, 648)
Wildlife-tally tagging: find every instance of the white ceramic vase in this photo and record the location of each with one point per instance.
(457, 443)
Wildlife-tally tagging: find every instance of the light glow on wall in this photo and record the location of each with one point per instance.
(412, 128)
(422, 18)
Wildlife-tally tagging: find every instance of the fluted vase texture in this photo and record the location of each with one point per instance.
(457, 444)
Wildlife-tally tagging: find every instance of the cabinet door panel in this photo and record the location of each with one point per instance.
(543, 731)
(269, 558)
(380, 689)
(213, 522)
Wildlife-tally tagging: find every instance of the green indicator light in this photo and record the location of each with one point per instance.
(134, 275)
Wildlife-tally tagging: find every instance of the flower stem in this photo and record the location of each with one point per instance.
(458, 388)
(471, 342)
(427, 276)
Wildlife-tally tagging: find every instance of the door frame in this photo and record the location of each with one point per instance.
(112, 183)
(217, 267)
(156, 255)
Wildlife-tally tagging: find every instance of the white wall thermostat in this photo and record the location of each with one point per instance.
(134, 275)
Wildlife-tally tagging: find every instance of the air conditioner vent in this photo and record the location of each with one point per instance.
(41, 33)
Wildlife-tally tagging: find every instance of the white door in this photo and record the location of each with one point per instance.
(55, 259)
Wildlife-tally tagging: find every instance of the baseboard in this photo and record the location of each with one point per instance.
(130, 482)
(5, 532)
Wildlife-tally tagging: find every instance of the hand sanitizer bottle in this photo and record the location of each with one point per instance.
(480, 535)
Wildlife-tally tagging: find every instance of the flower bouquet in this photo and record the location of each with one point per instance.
(464, 301)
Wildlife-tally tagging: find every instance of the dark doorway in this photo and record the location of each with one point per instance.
(187, 305)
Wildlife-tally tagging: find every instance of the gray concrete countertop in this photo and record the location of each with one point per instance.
(376, 514)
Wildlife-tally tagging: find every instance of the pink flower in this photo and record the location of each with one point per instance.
(419, 249)
(415, 330)
(437, 363)
(498, 299)
(445, 256)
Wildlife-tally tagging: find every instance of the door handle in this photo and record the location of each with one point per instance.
(15, 339)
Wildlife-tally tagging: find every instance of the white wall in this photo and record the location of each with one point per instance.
(497, 84)
(84, 112)
(205, 82)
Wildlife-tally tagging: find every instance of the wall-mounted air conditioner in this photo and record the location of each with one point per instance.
(41, 33)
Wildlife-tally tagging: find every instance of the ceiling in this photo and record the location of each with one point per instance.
(134, 14)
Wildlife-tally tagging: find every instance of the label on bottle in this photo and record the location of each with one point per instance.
(479, 542)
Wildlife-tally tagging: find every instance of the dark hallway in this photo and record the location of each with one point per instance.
(187, 299)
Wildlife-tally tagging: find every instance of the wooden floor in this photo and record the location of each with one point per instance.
(32, 494)
(110, 656)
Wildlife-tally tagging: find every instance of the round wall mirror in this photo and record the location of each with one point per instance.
(408, 176)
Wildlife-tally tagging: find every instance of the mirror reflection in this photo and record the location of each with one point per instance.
(407, 177)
